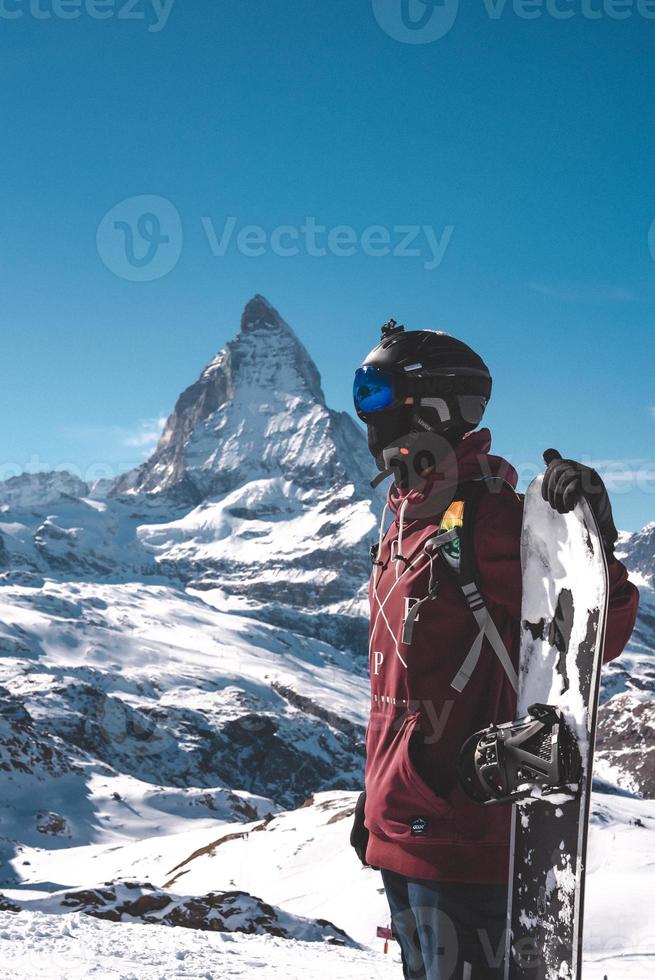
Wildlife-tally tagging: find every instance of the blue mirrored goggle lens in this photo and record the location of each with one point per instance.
(373, 390)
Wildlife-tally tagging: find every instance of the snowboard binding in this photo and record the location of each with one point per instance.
(507, 763)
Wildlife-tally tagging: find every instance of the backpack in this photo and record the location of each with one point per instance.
(453, 544)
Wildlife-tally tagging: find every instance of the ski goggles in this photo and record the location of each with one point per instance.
(374, 391)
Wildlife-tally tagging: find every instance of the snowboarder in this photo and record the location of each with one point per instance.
(445, 603)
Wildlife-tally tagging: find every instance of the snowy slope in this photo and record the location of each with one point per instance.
(151, 683)
(301, 862)
(34, 944)
(69, 535)
(78, 947)
(298, 559)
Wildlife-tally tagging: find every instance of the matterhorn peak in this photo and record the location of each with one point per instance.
(266, 342)
(258, 313)
(257, 411)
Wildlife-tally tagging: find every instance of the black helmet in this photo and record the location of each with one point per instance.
(420, 381)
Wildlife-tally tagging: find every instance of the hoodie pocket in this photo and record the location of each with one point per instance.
(400, 806)
(479, 824)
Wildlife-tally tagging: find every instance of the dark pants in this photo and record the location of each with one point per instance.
(448, 931)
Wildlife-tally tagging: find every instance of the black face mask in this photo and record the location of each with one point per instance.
(387, 427)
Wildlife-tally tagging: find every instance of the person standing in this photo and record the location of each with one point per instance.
(443, 658)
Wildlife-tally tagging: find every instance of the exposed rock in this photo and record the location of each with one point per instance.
(52, 824)
(626, 741)
(227, 911)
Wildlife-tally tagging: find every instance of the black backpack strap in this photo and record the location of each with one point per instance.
(459, 558)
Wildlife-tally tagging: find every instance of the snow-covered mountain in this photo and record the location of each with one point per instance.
(150, 693)
(638, 552)
(256, 489)
(257, 412)
(626, 722)
(187, 643)
(182, 658)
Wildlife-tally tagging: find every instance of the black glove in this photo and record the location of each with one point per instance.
(359, 833)
(566, 481)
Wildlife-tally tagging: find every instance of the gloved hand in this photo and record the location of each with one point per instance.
(565, 482)
(359, 833)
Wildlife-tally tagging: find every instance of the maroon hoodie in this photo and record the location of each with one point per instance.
(421, 823)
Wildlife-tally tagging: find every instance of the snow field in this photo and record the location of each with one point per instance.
(75, 947)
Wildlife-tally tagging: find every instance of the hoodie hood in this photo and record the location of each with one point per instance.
(469, 460)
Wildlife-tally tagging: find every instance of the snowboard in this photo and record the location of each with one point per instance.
(563, 616)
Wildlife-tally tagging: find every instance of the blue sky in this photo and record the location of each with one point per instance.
(523, 146)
